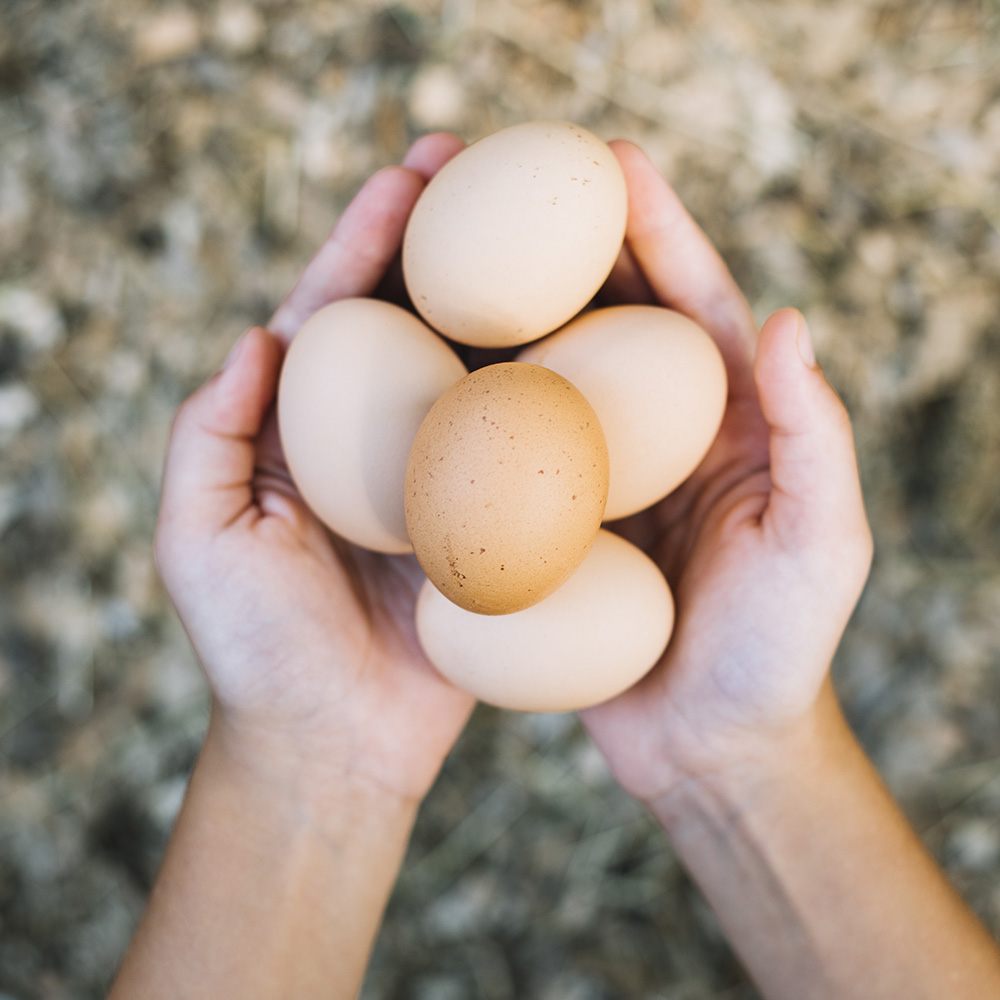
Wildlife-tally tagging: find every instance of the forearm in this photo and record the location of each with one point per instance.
(820, 883)
(269, 888)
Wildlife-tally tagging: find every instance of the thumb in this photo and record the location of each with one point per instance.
(816, 491)
(211, 456)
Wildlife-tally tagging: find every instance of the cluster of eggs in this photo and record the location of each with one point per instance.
(499, 479)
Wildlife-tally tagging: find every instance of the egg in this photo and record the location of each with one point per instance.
(591, 639)
(515, 234)
(357, 380)
(658, 385)
(505, 487)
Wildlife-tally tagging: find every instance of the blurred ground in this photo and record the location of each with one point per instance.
(165, 170)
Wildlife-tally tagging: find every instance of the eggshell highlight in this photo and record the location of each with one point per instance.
(513, 236)
(591, 639)
(506, 487)
(658, 385)
(358, 379)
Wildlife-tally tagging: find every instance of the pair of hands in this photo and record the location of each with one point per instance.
(309, 643)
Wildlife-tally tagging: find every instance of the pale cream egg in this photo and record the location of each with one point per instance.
(658, 384)
(515, 235)
(357, 381)
(591, 639)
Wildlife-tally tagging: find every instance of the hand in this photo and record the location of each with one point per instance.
(308, 643)
(766, 546)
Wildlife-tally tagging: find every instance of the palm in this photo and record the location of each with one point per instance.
(308, 642)
(370, 640)
(766, 546)
(392, 683)
(706, 535)
(670, 531)
(702, 536)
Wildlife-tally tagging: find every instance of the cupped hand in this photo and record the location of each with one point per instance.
(308, 642)
(766, 546)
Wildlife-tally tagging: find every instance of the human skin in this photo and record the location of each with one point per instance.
(736, 741)
(328, 724)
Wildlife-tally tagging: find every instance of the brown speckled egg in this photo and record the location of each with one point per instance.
(505, 487)
(513, 236)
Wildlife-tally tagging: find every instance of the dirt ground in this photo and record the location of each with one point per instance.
(166, 170)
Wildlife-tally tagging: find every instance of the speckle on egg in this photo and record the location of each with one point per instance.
(493, 497)
(491, 277)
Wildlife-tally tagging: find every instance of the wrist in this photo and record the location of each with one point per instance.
(324, 787)
(782, 762)
(268, 861)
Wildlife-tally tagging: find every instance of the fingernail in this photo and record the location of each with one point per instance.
(804, 343)
(234, 351)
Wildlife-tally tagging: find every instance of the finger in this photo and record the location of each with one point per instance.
(431, 152)
(682, 266)
(816, 491)
(212, 451)
(270, 454)
(357, 253)
(425, 157)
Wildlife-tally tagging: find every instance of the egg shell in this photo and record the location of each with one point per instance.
(591, 639)
(358, 378)
(505, 487)
(514, 235)
(657, 382)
